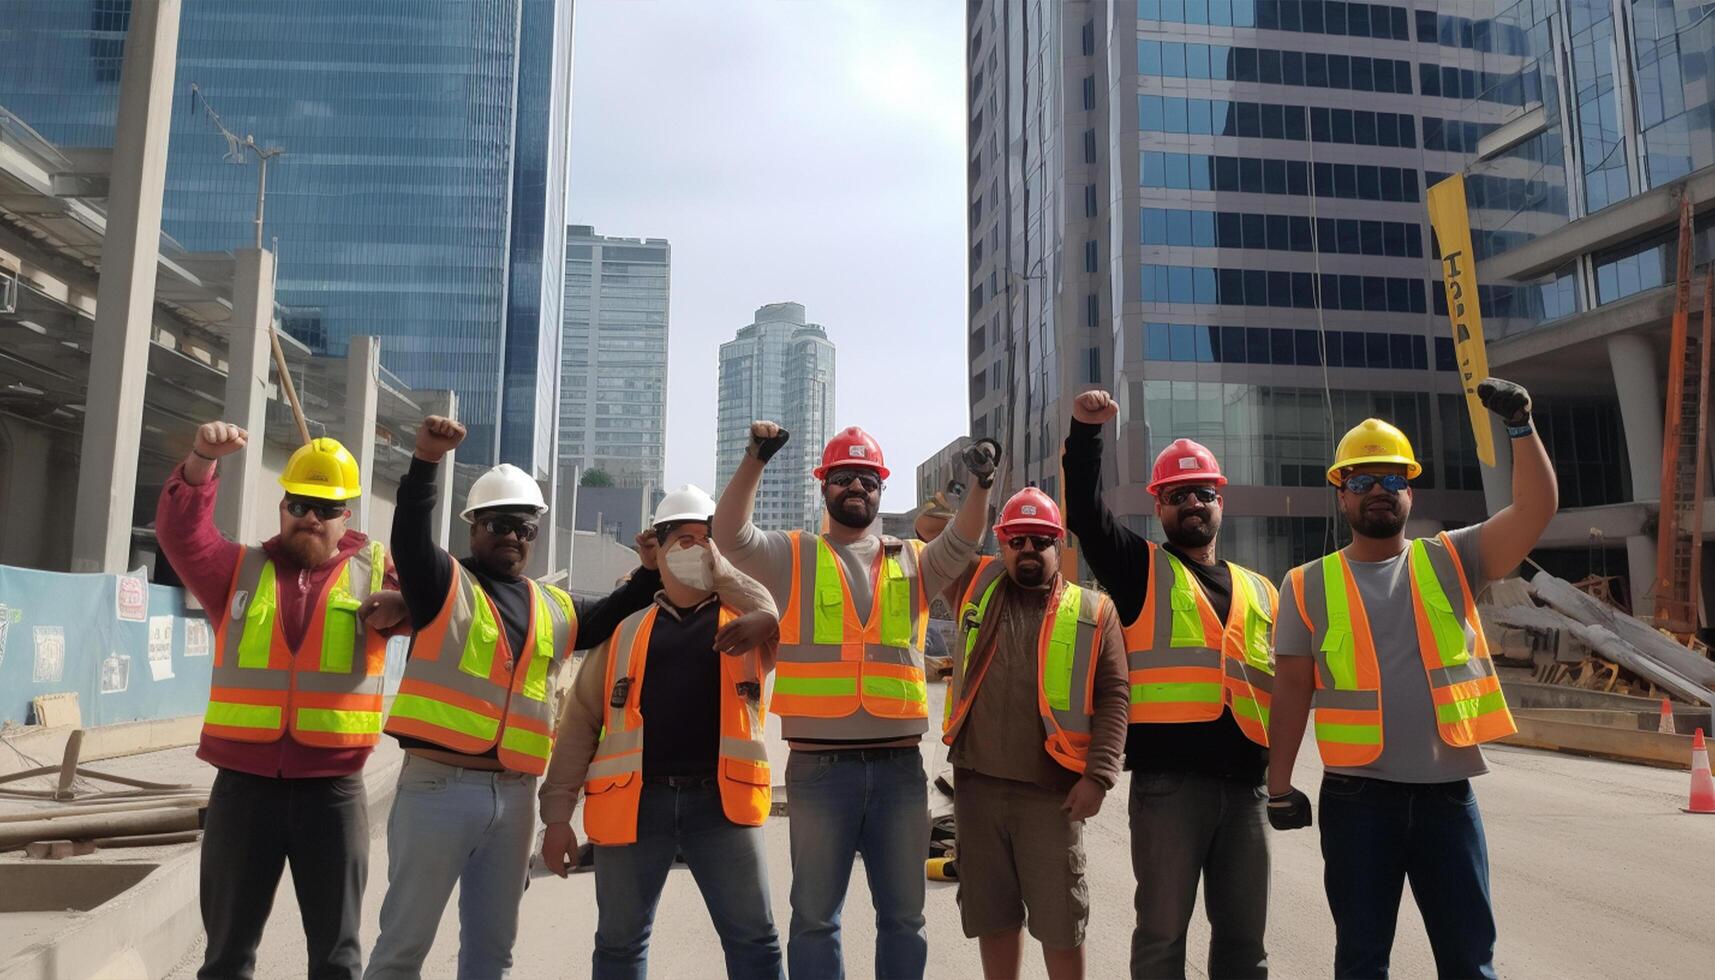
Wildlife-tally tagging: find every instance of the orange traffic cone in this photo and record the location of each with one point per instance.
(1666, 725)
(1702, 787)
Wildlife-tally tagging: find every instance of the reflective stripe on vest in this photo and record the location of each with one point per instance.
(1469, 706)
(261, 688)
(613, 785)
(1066, 657)
(842, 676)
(464, 690)
(1185, 665)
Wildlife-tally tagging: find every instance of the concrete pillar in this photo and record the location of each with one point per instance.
(248, 357)
(1639, 390)
(362, 387)
(1498, 479)
(125, 297)
(446, 405)
(1640, 573)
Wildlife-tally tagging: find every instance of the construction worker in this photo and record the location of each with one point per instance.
(300, 627)
(850, 690)
(698, 785)
(1036, 717)
(473, 711)
(1197, 638)
(1382, 639)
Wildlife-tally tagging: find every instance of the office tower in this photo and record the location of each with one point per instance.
(421, 194)
(1215, 210)
(1574, 203)
(613, 356)
(780, 369)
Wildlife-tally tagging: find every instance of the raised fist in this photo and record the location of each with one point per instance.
(982, 458)
(217, 439)
(766, 438)
(438, 436)
(1507, 400)
(1095, 407)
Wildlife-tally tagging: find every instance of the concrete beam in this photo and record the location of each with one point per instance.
(1512, 132)
(248, 354)
(362, 386)
(1638, 386)
(112, 431)
(1636, 216)
(1652, 308)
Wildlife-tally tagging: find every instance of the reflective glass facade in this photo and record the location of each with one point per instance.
(779, 368)
(613, 356)
(424, 162)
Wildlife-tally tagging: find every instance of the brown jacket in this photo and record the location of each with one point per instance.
(1001, 735)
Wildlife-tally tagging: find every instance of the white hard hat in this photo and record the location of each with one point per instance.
(503, 486)
(688, 503)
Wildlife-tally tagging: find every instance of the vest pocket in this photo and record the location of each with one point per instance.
(745, 771)
(603, 784)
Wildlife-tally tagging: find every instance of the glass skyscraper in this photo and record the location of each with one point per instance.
(422, 190)
(613, 356)
(780, 369)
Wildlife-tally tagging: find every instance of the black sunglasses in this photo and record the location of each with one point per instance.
(500, 527)
(1360, 483)
(327, 512)
(1177, 495)
(1040, 542)
(847, 478)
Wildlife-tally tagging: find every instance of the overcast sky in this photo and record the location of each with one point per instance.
(804, 150)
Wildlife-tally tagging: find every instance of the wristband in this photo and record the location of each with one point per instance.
(199, 455)
(1520, 431)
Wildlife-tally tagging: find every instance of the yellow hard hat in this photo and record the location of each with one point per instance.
(1374, 441)
(322, 469)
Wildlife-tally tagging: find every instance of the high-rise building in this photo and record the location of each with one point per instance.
(1215, 210)
(779, 369)
(1574, 202)
(421, 196)
(613, 356)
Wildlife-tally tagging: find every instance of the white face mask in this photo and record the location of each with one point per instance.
(691, 567)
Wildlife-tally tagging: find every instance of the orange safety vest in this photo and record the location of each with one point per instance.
(1067, 649)
(327, 692)
(1186, 666)
(613, 786)
(1469, 706)
(464, 689)
(842, 677)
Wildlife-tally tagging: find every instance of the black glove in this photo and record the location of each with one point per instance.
(1289, 811)
(1507, 400)
(982, 458)
(764, 449)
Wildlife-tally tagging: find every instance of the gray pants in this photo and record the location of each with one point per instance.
(1186, 827)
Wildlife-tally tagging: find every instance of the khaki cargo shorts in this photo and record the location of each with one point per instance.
(1019, 855)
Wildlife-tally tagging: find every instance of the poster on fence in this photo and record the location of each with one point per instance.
(50, 666)
(131, 599)
(6, 617)
(116, 673)
(161, 648)
(196, 638)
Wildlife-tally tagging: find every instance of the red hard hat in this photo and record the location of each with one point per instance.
(851, 447)
(1030, 511)
(1184, 461)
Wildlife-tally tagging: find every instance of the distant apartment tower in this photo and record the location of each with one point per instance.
(613, 356)
(1215, 211)
(781, 369)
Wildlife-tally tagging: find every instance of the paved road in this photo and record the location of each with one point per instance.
(1596, 874)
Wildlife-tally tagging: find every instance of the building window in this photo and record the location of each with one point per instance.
(1090, 201)
(1093, 358)
(1089, 146)
(1090, 256)
(1089, 38)
(1093, 310)
(1089, 92)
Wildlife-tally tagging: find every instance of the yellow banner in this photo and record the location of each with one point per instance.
(1459, 275)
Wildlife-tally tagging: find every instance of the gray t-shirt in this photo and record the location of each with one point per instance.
(1412, 748)
(767, 557)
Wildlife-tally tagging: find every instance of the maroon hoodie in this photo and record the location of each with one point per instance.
(206, 561)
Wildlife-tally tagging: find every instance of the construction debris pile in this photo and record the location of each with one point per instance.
(1572, 638)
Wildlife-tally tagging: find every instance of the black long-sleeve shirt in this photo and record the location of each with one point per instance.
(426, 573)
(1119, 558)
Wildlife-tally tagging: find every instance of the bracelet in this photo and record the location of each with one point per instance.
(1520, 431)
(201, 456)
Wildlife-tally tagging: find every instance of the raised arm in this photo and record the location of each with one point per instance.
(1509, 535)
(1117, 556)
(425, 569)
(947, 558)
(733, 532)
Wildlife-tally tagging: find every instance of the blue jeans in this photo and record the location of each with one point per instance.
(452, 826)
(1375, 835)
(727, 862)
(842, 803)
